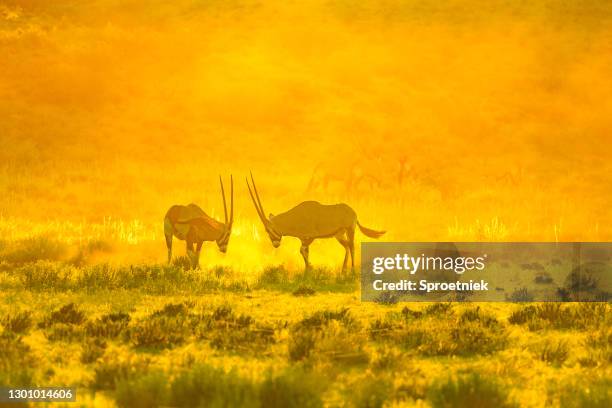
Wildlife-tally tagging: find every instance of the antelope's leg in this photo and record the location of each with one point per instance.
(350, 233)
(190, 253)
(197, 254)
(304, 250)
(345, 244)
(169, 246)
(168, 235)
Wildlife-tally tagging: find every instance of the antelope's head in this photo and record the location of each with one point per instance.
(268, 223)
(226, 229)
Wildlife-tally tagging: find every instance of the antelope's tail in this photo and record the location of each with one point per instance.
(168, 230)
(370, 232)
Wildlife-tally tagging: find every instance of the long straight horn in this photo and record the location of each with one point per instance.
(254, 202)
(232, 198)
(223, 195)
(263, 213)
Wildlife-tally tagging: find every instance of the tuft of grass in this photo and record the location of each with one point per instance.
(227, 330)
(92, 350)
(68, 314)
(559, 316)
(334, 335)
(18, 323)
(304, 290)
(160, 279)
(182, 262)
(274, 275)
(554, 353)
(469, 391)
(159, 332)
(520, 295)
(439, 309)
(174, 310)
(438, 333)
(108, 326)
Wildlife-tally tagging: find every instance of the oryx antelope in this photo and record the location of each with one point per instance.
(189, 223)
(311, 220)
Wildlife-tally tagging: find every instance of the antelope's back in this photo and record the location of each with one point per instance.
(314, 219)
(183, 218)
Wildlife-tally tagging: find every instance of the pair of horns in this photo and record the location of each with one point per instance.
(229, 221)
(258, 206)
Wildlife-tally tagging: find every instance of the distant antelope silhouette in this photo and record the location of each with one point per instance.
(191, 224)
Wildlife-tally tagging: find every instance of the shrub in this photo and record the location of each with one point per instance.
(520, 295)
(381, 329)
(304, 290)
(68, 314)
(64, 332)
(407, 313)
(159, 332)
(438, 309)
(273, 275)
(387, 298)
(475, 315)
(555, 353)
(474, 332)
(92, 350)
(558, 316)
(45, 275)
(228, 331)
(109, 325)
(18, 323)
(586, 282)
(172, 325)
(320, 319)
(523, 315)
(469, 391)
(476, 338)
(182, 262)
(329, 334)
(174, 309)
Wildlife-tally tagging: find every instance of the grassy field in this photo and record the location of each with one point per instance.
(145, 335)
(435, 121)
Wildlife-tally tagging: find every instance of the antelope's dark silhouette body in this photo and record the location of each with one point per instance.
(312, 220)
(192, 225)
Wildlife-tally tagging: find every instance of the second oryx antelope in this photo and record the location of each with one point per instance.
(191, 224)
(311, 220)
